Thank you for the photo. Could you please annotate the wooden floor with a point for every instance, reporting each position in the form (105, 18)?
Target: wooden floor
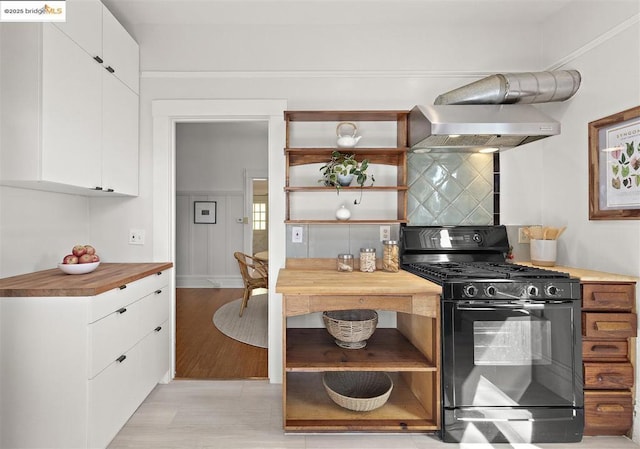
(202, 351)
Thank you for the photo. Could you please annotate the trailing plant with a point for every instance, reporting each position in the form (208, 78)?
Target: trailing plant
(342, 164)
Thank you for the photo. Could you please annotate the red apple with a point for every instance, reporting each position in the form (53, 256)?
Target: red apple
(70, 259)
(85, 258)
(95, 258)
(90, 249)
(79, 250)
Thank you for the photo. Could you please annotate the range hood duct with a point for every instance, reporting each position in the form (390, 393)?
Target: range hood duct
(489, 114)
(509, 88)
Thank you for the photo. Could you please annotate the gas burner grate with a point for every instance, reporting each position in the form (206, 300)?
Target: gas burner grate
(443, 271)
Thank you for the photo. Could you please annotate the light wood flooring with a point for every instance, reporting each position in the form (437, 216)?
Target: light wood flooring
(232, 414)
(202, 351)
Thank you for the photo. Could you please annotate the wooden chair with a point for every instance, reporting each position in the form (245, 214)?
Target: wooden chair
(255, 274)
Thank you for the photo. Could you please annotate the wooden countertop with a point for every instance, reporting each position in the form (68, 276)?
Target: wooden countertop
(56, 283)
(332, 282)
(588, 275)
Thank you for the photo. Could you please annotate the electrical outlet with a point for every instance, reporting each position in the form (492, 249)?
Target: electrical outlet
(296, 234)
(522, 237)
(136, 236)
(385, 232)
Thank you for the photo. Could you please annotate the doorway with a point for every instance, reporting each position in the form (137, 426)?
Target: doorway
(210, 160)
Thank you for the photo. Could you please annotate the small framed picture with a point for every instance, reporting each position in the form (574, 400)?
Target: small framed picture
(204, 212)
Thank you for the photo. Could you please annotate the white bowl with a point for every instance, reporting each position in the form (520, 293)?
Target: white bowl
(78, 268)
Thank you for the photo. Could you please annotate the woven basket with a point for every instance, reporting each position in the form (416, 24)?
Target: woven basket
(351, 328)
(361, 391)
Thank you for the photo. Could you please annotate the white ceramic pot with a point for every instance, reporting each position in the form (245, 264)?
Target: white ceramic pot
(343, 213)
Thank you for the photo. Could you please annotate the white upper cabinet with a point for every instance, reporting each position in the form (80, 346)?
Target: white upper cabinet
(69, 117)
(120, 52)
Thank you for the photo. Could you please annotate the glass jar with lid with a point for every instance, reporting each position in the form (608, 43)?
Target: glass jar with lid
(368, 260)
(390, 256)
(345, 262)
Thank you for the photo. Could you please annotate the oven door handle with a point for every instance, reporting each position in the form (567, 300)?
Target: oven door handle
(510, 306)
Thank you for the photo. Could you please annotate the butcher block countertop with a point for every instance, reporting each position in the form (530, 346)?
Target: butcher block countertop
(56, 283)
(319, 282)
(588, 275)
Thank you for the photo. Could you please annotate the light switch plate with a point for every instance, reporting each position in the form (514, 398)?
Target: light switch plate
(296, 234)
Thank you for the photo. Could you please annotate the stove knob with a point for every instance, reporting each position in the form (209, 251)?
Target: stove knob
(470, 290)
(532, 290)
(491, 290)
(552, 290)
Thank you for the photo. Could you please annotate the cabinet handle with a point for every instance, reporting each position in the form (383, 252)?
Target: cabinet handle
(109, 190)
(97, 188)
(122, 287)
(612, 325)
(159, 273)
(609, 408)
(616, 378)
(157, 292)
(99, 59)
(121, 358)
(121, 311)
(110, 69)
(603, 348)
(158, 329)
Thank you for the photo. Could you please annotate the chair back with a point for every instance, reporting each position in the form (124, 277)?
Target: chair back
(254, 272)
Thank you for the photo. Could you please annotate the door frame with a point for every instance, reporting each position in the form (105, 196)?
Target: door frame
(249, 177)
(166, 114)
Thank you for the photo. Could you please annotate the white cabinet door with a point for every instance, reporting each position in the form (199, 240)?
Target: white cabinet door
(120, 51)
(84, 25)
(119, 137)
(71, 112)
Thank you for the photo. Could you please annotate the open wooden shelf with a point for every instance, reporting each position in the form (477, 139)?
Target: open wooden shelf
(310, 409)
(311, 349)
(391, 156)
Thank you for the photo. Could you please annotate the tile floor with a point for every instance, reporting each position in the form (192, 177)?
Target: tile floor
(246, 414)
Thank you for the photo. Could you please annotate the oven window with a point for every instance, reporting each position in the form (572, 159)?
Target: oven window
(515, 341)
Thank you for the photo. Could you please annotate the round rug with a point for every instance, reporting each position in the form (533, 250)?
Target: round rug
(250, 328)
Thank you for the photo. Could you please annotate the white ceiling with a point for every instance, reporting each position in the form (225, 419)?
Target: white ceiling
(133, 13)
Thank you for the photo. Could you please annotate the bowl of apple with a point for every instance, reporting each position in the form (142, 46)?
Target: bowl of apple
(83, 259)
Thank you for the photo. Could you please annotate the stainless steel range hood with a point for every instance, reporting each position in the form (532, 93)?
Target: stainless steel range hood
(474, 127)
(491, 113)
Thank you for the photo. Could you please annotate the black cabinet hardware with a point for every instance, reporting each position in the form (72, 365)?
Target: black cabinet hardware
(158, 329)
(121, 311)
(121, 358)
(99, 59)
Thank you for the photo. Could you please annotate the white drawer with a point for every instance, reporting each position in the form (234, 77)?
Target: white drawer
(112, 300)
(112, 398)
(118, 332)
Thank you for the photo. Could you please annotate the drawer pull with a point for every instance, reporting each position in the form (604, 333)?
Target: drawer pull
(603, 348)
(615, 378)
(158, 329)
(612, 325)
(609, 408)
(610, 297)
(98, 59)
(159, 273)
(158, 292)
(121, 358)
(121, 311)
(110, 69)
(122, 287)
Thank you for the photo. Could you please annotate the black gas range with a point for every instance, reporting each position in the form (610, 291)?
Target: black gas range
(511, 338)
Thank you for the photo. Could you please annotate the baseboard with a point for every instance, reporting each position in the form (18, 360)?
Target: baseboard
(205, 281)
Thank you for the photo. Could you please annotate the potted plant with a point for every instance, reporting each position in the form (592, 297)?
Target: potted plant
(342, 169)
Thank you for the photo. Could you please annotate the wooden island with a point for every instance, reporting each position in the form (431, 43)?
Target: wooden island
(410, 352)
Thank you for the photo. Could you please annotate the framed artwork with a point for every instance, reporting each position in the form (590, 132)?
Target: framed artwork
(204, 212)
(614, 166)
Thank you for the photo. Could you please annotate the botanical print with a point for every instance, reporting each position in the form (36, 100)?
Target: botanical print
(623, 165)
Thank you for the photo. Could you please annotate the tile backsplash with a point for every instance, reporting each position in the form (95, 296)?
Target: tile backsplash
(451, 189)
